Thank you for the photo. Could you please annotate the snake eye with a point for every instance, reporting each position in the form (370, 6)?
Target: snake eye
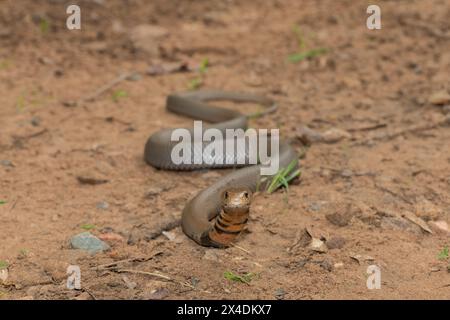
(225, 195)
(246, 194)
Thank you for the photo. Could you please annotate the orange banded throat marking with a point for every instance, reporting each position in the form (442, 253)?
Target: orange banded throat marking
(231, 220)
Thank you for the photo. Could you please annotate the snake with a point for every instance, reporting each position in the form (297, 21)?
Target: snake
(198, 219)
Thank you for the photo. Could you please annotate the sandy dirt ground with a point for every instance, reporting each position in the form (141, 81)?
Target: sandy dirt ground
(369, 110)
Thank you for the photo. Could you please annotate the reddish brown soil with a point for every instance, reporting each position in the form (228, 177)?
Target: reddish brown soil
(370, 83)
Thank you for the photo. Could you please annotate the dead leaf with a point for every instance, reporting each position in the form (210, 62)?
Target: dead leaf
(415, 219)
(361, 258)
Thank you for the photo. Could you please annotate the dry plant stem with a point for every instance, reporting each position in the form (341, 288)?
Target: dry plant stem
(411, 129)
(427, 28)
(33, 135)
(105, 88)
(115, 263)
(240, 248)
(160, 276)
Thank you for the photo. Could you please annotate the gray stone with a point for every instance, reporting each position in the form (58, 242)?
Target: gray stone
(336, 243)
(102, 205)
(88, 242)
(6, 163)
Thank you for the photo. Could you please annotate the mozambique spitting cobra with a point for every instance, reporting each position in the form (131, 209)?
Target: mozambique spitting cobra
(229, 198)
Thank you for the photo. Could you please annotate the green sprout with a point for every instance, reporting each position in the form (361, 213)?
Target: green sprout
(443, 254)
(300, 38)
(88, 226)
(283, 177)
(20, 103)
(197, 82)
(23, 252)
(4, 64)
(245, 278)
(204, 66)
(3, 264)
(44, 25)
(119, 94)
(300, 56)
(303, 52)
(3, 202)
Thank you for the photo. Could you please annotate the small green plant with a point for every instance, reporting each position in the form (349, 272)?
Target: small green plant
(304, 53)
(44, 25)
(197, 82)
(88, 227)
(283, 177)
(204, 66)
(3, 264)
(297, 57)
(2, 202)
(117, 95)
(23, 253)
(245, 278)
(4, 64)
(443, 254)
(20, 103)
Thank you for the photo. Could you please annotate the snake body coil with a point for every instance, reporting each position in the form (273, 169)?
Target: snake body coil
(207, 204)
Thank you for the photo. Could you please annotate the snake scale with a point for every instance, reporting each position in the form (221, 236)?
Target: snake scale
(199, 212)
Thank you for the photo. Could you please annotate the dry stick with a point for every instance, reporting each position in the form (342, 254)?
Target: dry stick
(161, 276)
(33, 135)
(431, 31)
(356, 174)
(240, 248)
(392, 193)
(105, 88)
(368, 128)
(14, 204)
(89, 292)
(115, 263)
(412, 129)
(146, 273)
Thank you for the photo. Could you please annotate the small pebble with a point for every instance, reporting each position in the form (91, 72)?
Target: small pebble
(158, 294)
(6, 163)
(435, 269)
(35, 121)
(88, 242)
(318, 245)
(280, 293)
(103, 205)
(439, 98)
(169, 235)
(334, 135)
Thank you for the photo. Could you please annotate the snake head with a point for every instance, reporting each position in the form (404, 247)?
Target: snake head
(236, 200)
